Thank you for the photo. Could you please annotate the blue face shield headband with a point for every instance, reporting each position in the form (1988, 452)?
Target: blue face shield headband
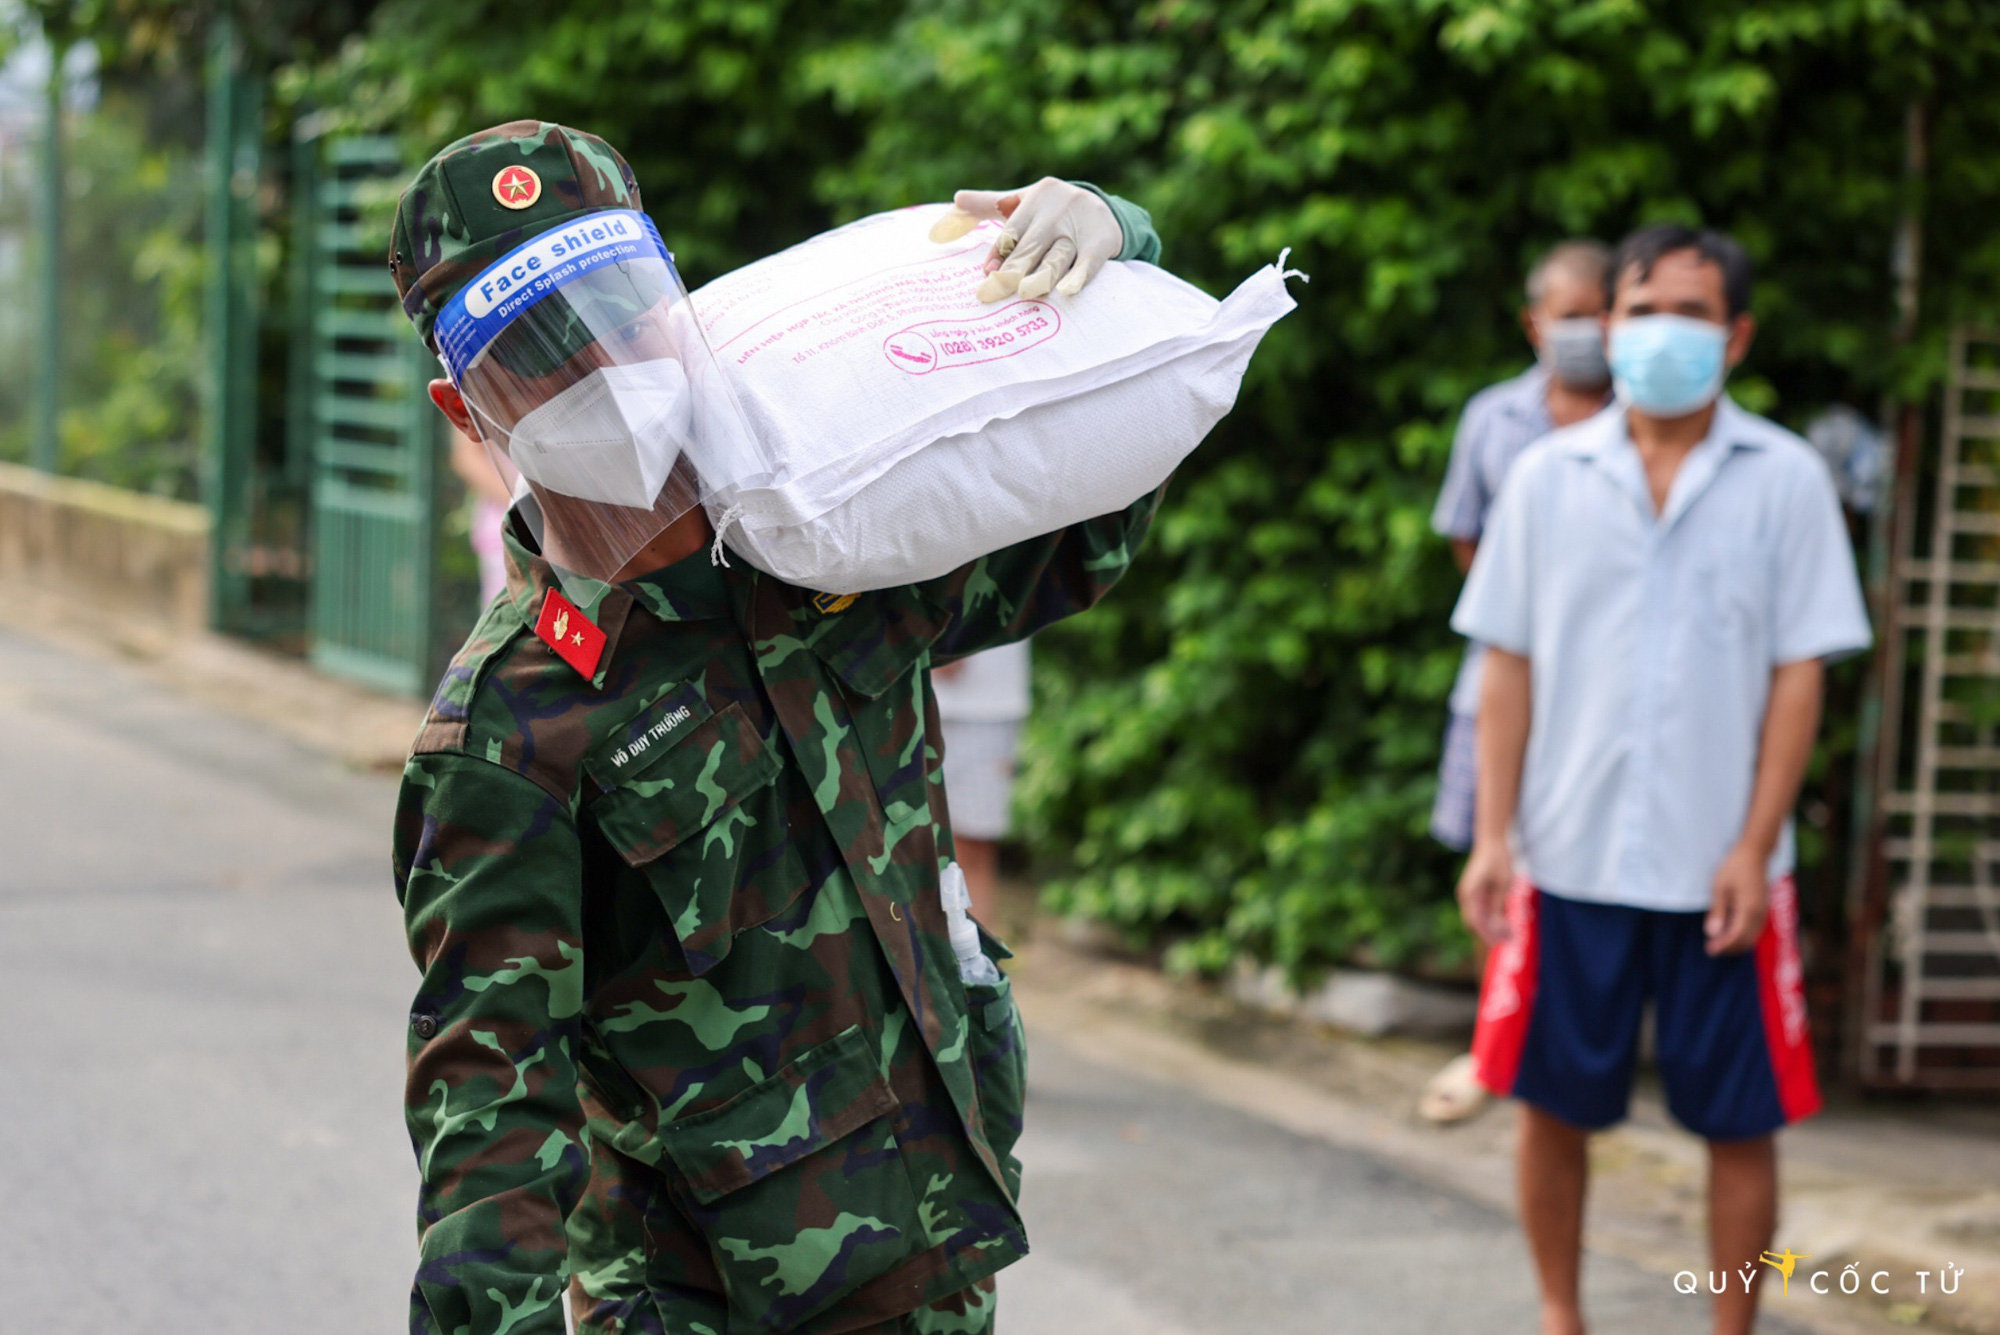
(581, 362)
(605, 270)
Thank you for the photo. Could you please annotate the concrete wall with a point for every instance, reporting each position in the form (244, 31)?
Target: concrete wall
(1360, 1001)
(119, 551)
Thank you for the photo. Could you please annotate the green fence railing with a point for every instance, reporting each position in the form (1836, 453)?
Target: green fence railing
(359, 401)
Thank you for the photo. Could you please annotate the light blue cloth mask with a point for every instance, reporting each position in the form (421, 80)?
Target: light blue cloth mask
(1667, 365)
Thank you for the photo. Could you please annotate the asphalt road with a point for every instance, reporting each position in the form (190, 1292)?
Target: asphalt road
(200, 1081)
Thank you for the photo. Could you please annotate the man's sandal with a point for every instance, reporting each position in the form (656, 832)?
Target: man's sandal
(1453, 1094)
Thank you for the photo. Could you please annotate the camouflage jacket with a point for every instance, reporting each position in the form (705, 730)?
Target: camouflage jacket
(690, 1034)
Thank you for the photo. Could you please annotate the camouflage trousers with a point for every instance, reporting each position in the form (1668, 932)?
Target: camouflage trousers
(641, 1269)
(969, 1312)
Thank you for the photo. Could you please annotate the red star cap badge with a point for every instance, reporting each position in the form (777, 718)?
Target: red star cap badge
(573, 636)
(516, 187)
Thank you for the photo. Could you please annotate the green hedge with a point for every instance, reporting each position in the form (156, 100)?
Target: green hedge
(1236, 753)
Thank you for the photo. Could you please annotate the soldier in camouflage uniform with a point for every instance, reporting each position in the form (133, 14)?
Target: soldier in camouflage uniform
(691, 1039)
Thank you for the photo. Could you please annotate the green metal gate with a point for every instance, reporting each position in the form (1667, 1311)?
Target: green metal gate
(359, 403)
(253, 479)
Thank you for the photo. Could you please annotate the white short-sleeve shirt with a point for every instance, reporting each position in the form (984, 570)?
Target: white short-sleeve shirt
(1498, 423)
(992, 686)
(1651, 641)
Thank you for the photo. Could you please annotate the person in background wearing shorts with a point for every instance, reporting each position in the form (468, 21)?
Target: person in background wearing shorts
(982, 703)
(489, 491)
(1563, 319)
(1658, 588)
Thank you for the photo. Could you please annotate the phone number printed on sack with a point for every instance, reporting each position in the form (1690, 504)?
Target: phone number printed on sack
(943, 344)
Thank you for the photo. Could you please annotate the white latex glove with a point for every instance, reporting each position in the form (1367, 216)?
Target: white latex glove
(1057, 236)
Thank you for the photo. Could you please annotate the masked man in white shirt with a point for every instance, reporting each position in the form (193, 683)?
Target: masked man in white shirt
(1564, 322)
(1658, 588)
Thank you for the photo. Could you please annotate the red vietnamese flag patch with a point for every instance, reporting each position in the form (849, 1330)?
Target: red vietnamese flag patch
(574, 637)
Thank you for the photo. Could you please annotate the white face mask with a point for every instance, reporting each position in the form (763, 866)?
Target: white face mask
(612, 437)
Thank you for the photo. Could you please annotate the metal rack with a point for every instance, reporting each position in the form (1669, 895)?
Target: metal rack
(1930, 947)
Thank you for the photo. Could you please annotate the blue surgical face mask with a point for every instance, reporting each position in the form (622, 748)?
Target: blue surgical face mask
(1668, 365)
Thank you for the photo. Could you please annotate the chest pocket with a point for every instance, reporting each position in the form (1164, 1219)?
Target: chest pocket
(877, 639)
(1731, 583)
(703, 818)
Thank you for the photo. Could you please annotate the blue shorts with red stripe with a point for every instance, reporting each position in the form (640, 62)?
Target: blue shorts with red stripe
(1560, 1009)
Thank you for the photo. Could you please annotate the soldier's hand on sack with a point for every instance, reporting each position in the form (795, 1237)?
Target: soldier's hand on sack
(1056, 236)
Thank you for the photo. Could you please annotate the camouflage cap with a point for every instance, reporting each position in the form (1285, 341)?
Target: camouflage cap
(482, 195)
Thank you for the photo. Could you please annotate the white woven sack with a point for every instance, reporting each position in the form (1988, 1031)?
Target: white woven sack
(911, 429)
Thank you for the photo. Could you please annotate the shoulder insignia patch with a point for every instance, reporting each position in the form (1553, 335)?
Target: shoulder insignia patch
(829, 603)
(574, 637)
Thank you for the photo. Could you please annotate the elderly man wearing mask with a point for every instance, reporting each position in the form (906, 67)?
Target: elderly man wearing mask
(1658, 589)
(1564, 323)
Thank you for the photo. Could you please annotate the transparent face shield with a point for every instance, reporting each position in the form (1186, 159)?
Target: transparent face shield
(582, 364)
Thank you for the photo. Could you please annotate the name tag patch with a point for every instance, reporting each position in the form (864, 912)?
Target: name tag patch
(641, 744)
(635, 744)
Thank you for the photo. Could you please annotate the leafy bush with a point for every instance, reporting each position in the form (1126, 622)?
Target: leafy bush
(133, 303)
(131, 294)
(1237, 752)
(703, 98)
